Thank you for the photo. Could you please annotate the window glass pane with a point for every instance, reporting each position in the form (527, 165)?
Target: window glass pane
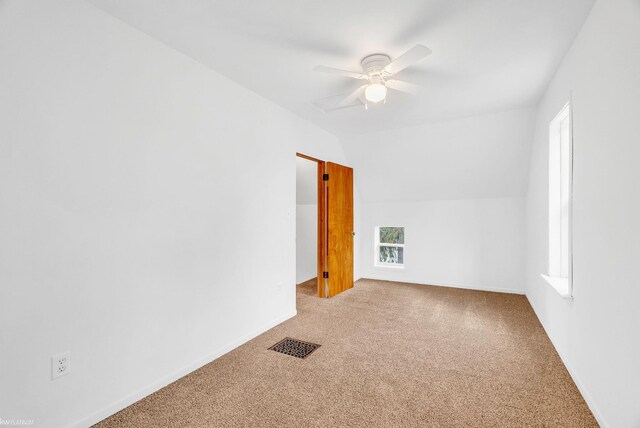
(560, 194)
(391, 255)
(565, 165)
(392, 235)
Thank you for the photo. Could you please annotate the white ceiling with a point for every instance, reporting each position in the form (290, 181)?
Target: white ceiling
(488, 55)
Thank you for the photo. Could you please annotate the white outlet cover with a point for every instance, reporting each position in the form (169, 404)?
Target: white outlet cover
(60, 365)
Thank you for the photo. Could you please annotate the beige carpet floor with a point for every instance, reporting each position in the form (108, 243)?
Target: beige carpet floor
(392, 355)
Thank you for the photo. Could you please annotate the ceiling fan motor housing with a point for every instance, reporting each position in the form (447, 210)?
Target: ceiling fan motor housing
(373, 65)
(376, 71)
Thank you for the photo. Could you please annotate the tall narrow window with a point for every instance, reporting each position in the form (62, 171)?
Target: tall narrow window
(389, 247)
(560, 189)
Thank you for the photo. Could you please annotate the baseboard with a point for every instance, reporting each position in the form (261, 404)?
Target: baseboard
(161, 383)
(439, 284)
(312, 278)
(576, 379)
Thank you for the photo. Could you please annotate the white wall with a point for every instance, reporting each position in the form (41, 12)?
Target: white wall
(598, 333)
(147, 212)
(475, 243)
(460, 184)
(306, 219)
(306, 242)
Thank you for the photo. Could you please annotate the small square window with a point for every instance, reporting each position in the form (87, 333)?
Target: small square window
(389, 246)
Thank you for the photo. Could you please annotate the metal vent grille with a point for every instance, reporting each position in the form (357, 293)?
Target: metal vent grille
(295, 348)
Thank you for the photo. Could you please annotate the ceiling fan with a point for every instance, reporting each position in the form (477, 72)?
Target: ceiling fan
(376, 71)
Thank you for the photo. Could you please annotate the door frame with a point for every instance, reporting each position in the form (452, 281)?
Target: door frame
(322, 223)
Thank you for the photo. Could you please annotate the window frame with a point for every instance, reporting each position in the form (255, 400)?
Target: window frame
(560, 259)
(377, 244)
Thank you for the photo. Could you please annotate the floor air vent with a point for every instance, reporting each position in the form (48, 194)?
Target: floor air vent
(295, 348)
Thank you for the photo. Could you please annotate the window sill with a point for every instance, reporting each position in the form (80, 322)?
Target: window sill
(389, 267)
(561, 285)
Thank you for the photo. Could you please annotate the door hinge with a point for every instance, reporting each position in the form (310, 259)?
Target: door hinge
(325, 177)
(325, 274)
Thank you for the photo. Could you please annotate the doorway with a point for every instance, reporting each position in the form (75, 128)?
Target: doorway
(307, 225)
(324, 227)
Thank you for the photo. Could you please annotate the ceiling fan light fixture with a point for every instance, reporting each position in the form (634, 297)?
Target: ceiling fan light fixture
(375, 92)
(377, 70)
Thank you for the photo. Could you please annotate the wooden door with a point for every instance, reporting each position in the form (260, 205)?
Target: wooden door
(339, 223)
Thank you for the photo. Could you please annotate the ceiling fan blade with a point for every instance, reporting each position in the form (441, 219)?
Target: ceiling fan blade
(401, 86)
(347, 73)
(413, 55)
(334, 108)
(333, 103)
(354, 96)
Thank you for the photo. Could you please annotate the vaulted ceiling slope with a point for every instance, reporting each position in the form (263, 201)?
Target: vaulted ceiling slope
(488, 55)
(483, 156)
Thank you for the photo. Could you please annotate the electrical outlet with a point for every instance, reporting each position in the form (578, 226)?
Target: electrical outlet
(60, 365)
